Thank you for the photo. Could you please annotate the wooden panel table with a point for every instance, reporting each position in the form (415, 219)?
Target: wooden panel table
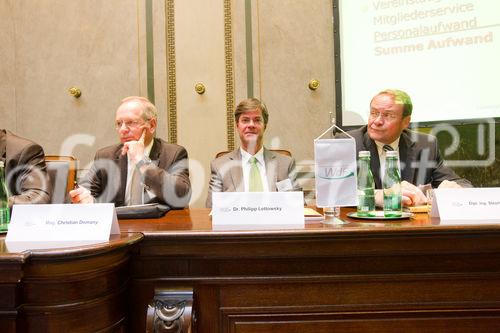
(77, 289)
(414, 275)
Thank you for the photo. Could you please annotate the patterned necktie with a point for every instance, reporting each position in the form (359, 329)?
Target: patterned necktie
(136, 188)
(387, 148)
(255, 183)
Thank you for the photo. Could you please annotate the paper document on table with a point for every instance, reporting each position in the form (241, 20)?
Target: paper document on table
(312, 215)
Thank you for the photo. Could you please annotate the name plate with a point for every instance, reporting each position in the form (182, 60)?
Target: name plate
(257, 210)
(467, 204)
(60, 225)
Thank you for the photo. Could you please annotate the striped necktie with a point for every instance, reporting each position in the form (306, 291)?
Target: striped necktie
(255, 181)
(387, 148)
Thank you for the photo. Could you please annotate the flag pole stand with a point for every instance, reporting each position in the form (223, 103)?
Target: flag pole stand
(332, 214)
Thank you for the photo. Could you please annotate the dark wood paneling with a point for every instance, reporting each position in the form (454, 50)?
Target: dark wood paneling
(457, 322)
(414, 276)
(107, 313)
(83, 278)
(67, 290)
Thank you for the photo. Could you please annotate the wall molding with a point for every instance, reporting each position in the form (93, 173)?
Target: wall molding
(228, 58)
(171, 71)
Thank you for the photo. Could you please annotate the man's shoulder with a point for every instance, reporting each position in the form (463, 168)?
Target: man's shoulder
(356, 133)
(228, 160)
(419, 138)
(283, 158)
(166, 146)
(227, 156)
(18, 141)
(109, 151)
(16, 145)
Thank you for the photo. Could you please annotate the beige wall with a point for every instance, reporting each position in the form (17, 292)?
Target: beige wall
(60, 44)
(100, 47)
(293, 47)
(8, 112)
(199, 27)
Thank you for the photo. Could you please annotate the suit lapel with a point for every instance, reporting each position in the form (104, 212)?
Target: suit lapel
(121, 161)
(154, 154)
(375, 160)
(236, 170)
(406, 152)
(271, 169)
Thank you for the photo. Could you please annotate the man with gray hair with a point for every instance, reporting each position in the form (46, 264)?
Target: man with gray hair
(141, 169)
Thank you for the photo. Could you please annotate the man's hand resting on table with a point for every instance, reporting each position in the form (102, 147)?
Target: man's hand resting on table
(411, 195)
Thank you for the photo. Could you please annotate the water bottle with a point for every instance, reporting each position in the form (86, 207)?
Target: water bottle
(4, 200)
(392, 186)
(366, 185)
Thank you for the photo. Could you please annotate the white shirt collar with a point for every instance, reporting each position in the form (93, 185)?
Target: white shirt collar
(245, 166)
(130, 167)
(245, 156)
(394, 145)
(382, 154)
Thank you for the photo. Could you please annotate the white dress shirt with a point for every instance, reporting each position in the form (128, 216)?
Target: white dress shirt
(382, 154)
(130, 169)
(245, 166)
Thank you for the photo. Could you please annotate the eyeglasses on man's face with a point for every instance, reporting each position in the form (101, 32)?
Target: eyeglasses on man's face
(129, 124)
(386, 116)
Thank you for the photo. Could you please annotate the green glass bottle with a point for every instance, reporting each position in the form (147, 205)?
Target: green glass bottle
(366, 185)
(391, 184)
(4, 200)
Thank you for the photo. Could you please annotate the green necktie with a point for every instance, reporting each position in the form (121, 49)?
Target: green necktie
(255, 183)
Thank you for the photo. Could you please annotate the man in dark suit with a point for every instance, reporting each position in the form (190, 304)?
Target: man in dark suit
(237, 170)
(420, 160)
(25, 170)
(142, 168)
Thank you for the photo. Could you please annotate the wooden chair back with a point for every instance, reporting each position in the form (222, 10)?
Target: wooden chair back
(62, 174)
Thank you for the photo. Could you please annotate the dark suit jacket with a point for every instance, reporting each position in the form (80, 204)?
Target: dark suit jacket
(25, 170)
(167, 177)
(227, 174)
(420, 159)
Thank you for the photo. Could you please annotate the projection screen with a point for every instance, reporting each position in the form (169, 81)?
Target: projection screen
(444, 53)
